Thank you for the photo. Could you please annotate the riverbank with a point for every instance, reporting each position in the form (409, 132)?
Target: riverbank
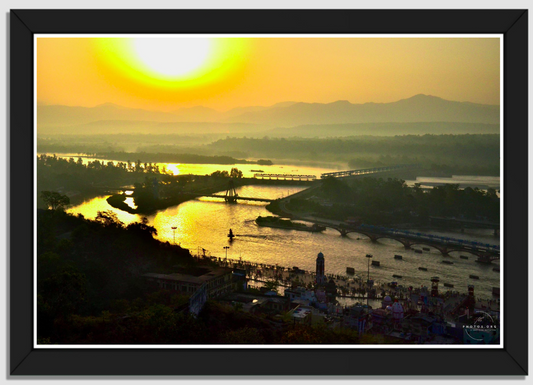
(287, 224)
(118, 201)
(352, 287)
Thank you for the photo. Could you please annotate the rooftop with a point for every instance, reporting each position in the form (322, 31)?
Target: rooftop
(195, 276)
(301, 313)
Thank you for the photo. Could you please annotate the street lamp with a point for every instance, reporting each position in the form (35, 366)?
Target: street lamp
(369, 256)
(174, 233)
(226, 248)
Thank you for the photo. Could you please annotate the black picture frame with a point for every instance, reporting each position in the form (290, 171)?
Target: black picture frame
(512, 359)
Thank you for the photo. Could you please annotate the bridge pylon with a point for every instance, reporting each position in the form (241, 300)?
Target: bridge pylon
(485, 258)
(231, 194)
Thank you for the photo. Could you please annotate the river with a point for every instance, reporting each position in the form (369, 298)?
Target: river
(204, 223)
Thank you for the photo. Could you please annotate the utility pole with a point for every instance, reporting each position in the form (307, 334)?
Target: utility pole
(369, 256)
(226, 248)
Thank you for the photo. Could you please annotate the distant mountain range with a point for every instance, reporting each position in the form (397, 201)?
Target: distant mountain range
(419, 108)
(58, 115)
(285, 118)
(205, 114)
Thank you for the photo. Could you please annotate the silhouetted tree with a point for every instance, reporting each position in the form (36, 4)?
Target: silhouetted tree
(219, 173)
(55, 200)
(142, 228)
(108, 218)
(235, 173)
(63, 292)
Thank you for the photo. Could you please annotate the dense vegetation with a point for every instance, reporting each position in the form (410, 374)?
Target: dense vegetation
(87, 267)
(90, 291)
(380, 202)
(54, 173)
(95, 143)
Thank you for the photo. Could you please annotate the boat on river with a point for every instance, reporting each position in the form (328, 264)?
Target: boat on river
(231, 235)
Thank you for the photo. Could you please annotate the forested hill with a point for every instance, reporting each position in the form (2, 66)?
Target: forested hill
(460, 154)
(383, 129)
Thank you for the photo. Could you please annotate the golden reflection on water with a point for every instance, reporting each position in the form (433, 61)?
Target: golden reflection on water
(173, 168)
(205, 223)
(89, 209)
(130, 202)
(174, 217)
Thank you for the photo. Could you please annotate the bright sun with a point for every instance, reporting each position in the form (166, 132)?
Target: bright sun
(171, 62)
(173, 57)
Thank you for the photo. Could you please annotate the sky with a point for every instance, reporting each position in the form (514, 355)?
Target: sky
(223, 73)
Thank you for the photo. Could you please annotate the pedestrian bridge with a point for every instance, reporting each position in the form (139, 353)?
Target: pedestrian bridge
(285, 177)
(365, 171)
(236, 197)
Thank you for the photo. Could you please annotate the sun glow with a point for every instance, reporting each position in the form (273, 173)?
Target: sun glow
(172, 58)
(173, 69)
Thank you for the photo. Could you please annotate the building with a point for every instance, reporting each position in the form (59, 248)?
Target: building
(240, 281)
(198, 300)
(357, 318)
(260, 304)
(300, 293)
(307, 315)
(218, 281)
(302, 316)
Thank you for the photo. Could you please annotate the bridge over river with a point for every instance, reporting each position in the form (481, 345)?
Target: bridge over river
(486, 253)
(366, 171)
(234, 198)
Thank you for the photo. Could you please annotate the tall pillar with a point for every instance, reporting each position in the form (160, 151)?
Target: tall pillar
(320, 270)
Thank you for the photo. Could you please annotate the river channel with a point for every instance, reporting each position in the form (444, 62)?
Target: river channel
(204, 224)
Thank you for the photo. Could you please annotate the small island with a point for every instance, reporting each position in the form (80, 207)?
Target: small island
(281, 223)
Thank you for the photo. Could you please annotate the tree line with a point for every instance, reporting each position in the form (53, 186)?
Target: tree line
(381, 202)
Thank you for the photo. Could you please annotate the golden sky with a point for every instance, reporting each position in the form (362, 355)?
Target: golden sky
(223, 73)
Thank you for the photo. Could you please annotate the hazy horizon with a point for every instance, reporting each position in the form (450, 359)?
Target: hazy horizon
(174, 109)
